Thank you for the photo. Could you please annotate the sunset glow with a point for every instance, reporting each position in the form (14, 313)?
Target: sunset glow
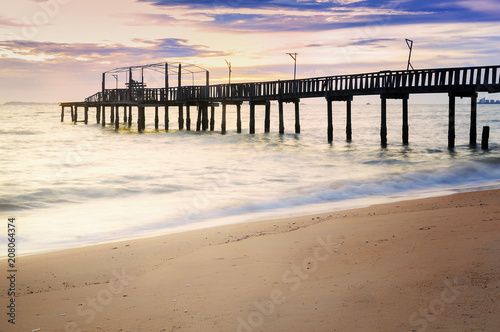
(57, 48)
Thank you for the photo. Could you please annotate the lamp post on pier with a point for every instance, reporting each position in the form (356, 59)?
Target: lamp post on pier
(229, 70)
(410, 46)
(294, 57)
(116, 88)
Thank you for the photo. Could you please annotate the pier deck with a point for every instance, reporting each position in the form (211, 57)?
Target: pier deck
(456, 82)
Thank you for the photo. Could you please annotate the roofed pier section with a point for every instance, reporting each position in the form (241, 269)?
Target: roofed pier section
(137, 93)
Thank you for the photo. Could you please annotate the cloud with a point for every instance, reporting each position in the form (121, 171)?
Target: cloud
(320, 15)
(6, 22)
(275, 16)
(485, 7)
(146, 50)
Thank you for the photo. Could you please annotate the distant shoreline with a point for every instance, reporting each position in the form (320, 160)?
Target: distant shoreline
(27, 103)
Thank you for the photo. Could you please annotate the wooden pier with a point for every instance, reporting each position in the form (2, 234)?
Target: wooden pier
(456, 82)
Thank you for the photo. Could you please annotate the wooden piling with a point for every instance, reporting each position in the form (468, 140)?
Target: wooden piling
(125, 114)
(157, 118)
(86, 119)
(130, 116)
(238, 118)
(348, 127)
(485, 137)
(98, 114)
(223, 125)
(281, 120)
(166, 117)
(383, 121)
(330, 120)
(405, 128)
(252, 118)
(103, 115)
(72, 114)
(473, 121)
(267, 120)
(188, 118)
(198, 120)
(75, 119)
(112, 115)
(62, 113)
(117, 118)
(181, 118)
(205, 121)
(297, 117)
(451, 121)
(212, 118)
(141, 119)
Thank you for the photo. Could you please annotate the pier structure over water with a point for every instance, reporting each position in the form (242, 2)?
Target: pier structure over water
(456, 82)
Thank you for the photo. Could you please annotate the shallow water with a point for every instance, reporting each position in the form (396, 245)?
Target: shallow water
(72, 185)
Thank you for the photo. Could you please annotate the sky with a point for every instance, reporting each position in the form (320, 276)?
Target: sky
(56, 50)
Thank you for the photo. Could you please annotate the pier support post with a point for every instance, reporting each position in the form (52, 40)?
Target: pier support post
(86, 115)
(181, 118)
(98, 114)
(166, 118)
(103, 115)
(485, 137)
(157, 118)
(75, 120)
(198, 120)
(188, 118)
(223, 125)
(112, 115)
(297, 117)
(212, 118)
(383, 121)
(117, 118)
(204, 121)
(130, 116)
(62, 113)
(267, 120)
(72, 114)
(330, 120)
(473, 121)
(125, 114)
(252, 118)
(405, 121)
(141, 119)
(348, 127)
(451, 121)
(281, 120)
(238, 118)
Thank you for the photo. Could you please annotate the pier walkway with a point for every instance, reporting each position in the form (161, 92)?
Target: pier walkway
(456, 82)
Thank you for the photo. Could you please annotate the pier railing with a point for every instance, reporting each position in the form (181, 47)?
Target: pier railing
(473, 79)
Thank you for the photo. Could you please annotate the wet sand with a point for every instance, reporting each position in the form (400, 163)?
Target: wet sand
(423, 265)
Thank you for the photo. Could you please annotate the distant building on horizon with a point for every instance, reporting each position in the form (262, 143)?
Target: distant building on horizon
(486, 101)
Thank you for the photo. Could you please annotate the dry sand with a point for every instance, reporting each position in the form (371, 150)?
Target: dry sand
(429, 264)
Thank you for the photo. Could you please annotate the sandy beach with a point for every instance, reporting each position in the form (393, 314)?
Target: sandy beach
(421, 265)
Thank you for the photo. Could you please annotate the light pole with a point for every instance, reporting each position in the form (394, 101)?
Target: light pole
(116, 78)
(116, 88)
(229, 69)
(410, 46)
(294, 57)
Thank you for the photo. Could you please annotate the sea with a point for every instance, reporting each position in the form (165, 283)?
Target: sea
(71, 185)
